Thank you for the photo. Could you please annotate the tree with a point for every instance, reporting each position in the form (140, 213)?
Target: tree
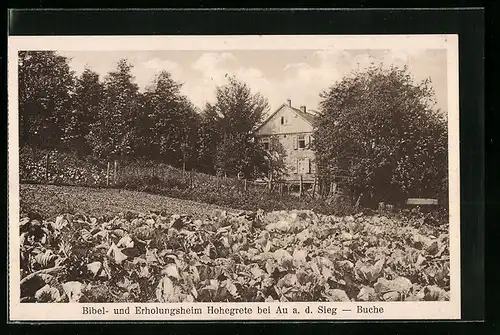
(45, 98)
(380, 128)
(276, 159)
(234, 117)
(169, 122)
(236, 153)
(209, 136)
(115, 131)
(87, 104)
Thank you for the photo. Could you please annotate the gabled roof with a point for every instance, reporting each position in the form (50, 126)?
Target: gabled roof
(309, 118)
(306, 116)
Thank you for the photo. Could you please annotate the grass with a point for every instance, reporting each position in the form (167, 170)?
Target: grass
(50, 201)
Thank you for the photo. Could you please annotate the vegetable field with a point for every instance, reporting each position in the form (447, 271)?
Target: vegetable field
(229, 257)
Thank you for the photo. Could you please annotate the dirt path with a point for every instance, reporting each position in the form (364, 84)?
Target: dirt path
(50, 200)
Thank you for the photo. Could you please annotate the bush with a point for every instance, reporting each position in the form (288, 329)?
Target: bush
(380, 128)
(63, 168)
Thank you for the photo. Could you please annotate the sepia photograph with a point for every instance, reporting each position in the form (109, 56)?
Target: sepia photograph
(164, 178)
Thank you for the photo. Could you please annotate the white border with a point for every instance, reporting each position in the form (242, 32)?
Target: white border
(392, 311)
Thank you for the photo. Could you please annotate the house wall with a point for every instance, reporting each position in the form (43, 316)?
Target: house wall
(293, 123)
(299, 161)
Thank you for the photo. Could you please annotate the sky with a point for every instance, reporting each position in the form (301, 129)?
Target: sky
(299, 75)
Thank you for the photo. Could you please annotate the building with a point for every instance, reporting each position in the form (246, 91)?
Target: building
(292, 127)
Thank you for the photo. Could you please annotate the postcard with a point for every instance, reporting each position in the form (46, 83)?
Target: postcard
(185, 178)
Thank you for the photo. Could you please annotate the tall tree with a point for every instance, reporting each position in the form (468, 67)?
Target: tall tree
(209, 135)
(87, 104)
(381, 128)
(114, 132)
(169, 122)
(45, 88)
(235, 115)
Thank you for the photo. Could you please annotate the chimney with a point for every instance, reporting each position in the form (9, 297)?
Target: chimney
(289, 102)
(303, 109)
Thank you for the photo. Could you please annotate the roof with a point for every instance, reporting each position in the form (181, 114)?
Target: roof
(309, 118)
(306, 116)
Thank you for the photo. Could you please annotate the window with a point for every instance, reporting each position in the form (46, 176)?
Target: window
(282, 120)
(302, 141)
(303, 165)
(266, 143)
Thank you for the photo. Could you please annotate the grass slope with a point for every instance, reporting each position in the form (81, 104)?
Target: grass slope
(51, 200)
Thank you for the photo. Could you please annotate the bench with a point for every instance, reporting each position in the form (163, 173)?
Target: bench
(421, 202)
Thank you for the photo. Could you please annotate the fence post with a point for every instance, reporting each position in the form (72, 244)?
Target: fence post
(314, 187)
(359, 199)
(47, 168)
(107, 174)
(300, 186)
(114, 172)
(245, 185)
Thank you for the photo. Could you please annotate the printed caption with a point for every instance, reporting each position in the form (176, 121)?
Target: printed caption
(232, 311)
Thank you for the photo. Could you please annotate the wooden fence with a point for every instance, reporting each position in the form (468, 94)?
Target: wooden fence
(66, 169)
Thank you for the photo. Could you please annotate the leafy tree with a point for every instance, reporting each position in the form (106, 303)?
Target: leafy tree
(235, 153)
(114, 133)
(276, 159)
(209, 135)
(380, 127)
(87, 104)
(45, 88)
(169, 122)
(234, 118)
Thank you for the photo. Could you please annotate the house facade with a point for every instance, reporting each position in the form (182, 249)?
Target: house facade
(292, 128)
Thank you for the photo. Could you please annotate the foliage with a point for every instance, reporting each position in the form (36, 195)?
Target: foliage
(169, 123)
(158, 178)
(45, 89)
(258, 256)
(379, 126)
(276, 159)
(114, 132)
(63, 168)
(113, 119)
(234, 117)
(87, 104)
